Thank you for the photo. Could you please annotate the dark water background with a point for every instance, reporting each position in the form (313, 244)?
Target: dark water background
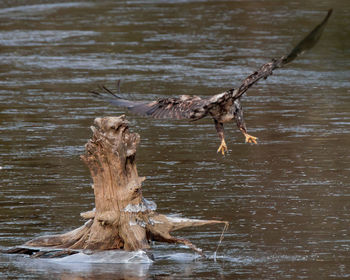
(287, 199)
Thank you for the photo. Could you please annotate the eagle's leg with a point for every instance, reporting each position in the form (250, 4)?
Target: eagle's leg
(238, 113)
(220, 130)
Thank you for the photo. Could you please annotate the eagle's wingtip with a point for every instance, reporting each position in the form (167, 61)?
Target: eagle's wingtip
(330, 11)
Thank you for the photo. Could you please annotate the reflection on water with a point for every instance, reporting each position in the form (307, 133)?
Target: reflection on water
(287, 198)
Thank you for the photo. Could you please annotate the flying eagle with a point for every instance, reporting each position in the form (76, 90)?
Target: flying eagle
(223, 107)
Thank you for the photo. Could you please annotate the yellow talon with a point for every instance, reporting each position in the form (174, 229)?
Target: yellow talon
(223, 147)
(250, 138)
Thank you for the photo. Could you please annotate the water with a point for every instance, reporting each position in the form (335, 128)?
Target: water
(287, 198)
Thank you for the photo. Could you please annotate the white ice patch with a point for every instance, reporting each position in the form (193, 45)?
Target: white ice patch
(152, 221)
(110, 256)
(145, 205)
(135, 208)
(180, 257)
(137, 223)
(151, 205)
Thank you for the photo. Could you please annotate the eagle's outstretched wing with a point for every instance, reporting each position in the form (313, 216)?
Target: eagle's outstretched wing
(266, 70)
(183, 107)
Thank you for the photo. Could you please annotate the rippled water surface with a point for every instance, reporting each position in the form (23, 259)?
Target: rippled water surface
(287, 199)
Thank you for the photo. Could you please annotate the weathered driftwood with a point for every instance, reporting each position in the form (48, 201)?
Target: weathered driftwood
(122, 218)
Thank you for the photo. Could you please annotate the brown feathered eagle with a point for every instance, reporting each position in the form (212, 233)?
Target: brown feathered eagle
(223, 107)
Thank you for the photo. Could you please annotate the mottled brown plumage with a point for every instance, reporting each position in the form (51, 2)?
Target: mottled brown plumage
(223, 107)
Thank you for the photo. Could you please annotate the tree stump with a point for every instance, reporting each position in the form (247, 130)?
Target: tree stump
(122, 219)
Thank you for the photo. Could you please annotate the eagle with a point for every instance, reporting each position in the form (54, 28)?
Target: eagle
(223, 107)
